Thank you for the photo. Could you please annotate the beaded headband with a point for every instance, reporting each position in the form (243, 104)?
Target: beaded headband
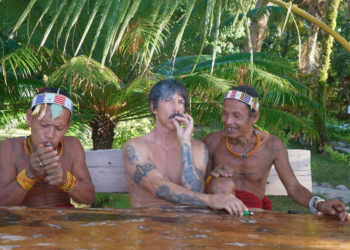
(53, 98)
(243, 97)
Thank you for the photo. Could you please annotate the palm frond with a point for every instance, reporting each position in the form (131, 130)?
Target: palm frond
(22, 62)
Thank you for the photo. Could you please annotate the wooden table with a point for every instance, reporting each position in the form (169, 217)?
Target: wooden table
(166, 228)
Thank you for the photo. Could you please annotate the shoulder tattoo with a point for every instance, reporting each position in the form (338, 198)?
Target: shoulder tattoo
(141, 171)
(131, 153)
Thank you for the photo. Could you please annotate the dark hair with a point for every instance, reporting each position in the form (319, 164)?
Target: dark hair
(250, 91)
(53, 90)
(167, 88)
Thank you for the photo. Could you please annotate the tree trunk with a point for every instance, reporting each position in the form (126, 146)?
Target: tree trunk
(309, 63)
(102, 133)
(257, 30)
(326, 50)
(323, 26)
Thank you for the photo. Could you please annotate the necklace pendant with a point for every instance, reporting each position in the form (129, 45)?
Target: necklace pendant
(243, 156)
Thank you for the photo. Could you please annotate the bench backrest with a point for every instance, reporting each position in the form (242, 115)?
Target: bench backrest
(108, 174)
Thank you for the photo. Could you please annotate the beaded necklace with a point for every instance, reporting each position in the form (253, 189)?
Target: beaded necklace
(253, 151)
(28, 146)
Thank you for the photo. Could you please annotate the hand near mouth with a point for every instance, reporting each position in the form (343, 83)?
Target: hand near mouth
(184, 133)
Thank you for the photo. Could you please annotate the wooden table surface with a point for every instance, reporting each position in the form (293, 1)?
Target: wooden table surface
(177, 227)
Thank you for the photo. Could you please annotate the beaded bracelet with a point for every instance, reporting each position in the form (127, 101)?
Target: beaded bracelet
(24, 181)
(69, 184)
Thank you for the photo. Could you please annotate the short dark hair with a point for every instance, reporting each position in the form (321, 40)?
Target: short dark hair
(250, 91)
(167, 88)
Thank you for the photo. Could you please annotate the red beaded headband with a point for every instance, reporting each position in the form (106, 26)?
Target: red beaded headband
(243, 97)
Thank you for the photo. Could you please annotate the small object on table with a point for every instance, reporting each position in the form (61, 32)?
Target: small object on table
(247, 213)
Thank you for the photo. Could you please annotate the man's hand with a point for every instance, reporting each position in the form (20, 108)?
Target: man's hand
(42, 157)
(229, 202)
(45, 162)
(221, 171)
(335, 208)
(183, 133)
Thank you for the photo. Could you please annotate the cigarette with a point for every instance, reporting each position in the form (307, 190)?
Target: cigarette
(247, 213)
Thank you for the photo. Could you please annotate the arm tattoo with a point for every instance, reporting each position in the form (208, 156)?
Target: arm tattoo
(141, 171)
(200, 172)
(130, 153)
(164, 192)
(188, 175)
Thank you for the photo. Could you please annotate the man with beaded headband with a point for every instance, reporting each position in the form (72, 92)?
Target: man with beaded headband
(47, 168)
(240, 159)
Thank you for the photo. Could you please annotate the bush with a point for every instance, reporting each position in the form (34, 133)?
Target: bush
(129, 129)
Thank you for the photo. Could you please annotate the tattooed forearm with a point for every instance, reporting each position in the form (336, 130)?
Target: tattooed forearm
(164, 193)
(130, 153)
(188, 175)
(141, 171)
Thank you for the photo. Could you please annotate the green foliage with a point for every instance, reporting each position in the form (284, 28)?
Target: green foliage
(127, 130)
(338, 131)
(343, 159)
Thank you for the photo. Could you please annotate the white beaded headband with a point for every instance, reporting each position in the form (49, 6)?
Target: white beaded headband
(243, 97)
(52, 98)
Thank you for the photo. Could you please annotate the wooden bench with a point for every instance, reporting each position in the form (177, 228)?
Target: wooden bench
(108, 174)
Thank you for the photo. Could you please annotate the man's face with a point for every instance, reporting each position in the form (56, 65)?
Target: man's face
(47, 130)
(167, 108)
(235, 118)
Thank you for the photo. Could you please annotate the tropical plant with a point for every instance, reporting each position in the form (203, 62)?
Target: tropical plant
(111, 50)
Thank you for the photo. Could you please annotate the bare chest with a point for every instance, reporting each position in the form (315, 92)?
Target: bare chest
(168, 162)
(254, 167)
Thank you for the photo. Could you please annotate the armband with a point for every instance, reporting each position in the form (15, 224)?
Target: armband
(24, 181)
(69, 184)
(314, 202)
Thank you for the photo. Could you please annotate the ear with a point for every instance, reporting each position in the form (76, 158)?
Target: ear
(255, 116)
(29, 117)
(153, 110)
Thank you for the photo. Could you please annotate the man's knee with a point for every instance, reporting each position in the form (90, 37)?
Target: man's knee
(221, 185)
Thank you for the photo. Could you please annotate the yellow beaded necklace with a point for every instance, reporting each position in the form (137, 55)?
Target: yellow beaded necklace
(28, 146)
(253, 151)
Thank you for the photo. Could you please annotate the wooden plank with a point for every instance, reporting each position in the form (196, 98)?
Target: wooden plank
(300, 162)
(107, 170)
(108, 174)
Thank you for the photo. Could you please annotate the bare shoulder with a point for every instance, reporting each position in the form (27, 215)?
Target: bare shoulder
(273, 143)
(12, 144)
(139, 143)
(213, 139)
(136, 149)
(73, 141)
(10, 149)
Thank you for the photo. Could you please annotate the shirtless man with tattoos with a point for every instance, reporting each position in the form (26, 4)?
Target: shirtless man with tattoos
(45, 169)
(167, 166)
(240, 159)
